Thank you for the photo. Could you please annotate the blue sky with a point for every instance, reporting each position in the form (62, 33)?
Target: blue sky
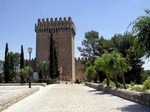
(18, 17)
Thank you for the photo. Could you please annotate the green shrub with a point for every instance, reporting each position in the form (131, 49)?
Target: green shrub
(50, 81)
(111, 83)
(132, 83)
(138, 89)
(145, 75)
(120, 85)
(47, 81)
(40, 81)
(146, 84)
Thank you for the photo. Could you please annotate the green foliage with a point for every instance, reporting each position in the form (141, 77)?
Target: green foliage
(137, 88)
(141, 28)
(113, 64)
(11, 68)
(127, 45)
(111, 83)
(22, 58)
(24, 73)
(14, 62)
(53, 65)
(121, 86)
(103, 63)
(49, 81)
(123, 42)
(132, 83)
(89, 44)
(6, 65)
(145, 75)
(146, 84)
(91, 73)
(126, 64)
(43, 67)
(56, 63)
(90, 70)
(103, 46)
(122, 66)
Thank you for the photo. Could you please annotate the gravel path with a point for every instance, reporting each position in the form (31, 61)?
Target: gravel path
(74, 98)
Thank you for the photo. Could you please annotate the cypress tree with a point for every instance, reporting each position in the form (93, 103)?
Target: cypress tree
(53, 59)
(6, 65)
(51, 63)
(22, 62)
(40, 75)
(56, 61)
(11, 67)
(22, 58)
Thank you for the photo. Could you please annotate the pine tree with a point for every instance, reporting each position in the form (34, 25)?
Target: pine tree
(22, 58)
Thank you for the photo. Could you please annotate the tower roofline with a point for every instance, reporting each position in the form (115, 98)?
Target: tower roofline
(55, 24)
(60, 19)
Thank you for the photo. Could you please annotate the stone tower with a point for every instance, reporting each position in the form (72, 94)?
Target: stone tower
(63, 31)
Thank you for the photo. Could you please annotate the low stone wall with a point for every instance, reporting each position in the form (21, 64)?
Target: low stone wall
(11, 98)
(138, 97)
(23, 84)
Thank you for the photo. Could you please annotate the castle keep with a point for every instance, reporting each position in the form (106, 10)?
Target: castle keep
(63, 31)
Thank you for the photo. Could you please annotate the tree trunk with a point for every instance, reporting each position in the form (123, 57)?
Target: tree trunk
(108, 80)
(123, 79)
(116, 81)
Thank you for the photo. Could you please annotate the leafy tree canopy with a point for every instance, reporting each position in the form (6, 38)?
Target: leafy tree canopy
(141, 28)
(89, 44)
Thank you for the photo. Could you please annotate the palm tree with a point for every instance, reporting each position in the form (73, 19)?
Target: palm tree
(123, 66)
(103, 63)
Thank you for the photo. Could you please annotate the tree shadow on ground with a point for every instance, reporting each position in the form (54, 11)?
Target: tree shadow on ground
(127, 108)
(134, 108)
(99, 92)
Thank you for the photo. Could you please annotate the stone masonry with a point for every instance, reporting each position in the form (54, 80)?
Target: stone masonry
(63, 31)
(80, 75)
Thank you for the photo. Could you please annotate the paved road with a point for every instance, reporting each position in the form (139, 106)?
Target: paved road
(74, 98)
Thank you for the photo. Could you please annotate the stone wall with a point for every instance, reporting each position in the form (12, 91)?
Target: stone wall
(9, 99)
(138, 97)
(63, 31)
(79, 74)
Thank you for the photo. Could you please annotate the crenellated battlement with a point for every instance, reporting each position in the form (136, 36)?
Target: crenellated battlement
(80, 59)
(55, 25)
(55, 19)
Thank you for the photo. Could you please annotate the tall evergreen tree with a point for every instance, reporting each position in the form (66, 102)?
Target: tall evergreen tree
(126, 44)
(53, 64)
(22, 63)
(56, 61)
(11, 67)
(6, 65)
(89, 45)
(22, 58)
